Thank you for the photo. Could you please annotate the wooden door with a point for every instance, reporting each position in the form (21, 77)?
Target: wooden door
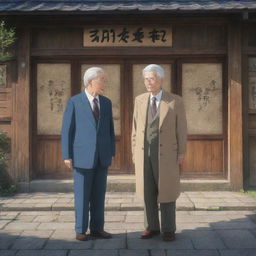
(201, 83)
(54, 81)
(52, 86)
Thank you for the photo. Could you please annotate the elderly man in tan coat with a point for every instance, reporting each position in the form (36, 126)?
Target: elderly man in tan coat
(159, 135)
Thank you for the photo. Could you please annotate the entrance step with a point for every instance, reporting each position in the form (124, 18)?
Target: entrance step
(121, 183)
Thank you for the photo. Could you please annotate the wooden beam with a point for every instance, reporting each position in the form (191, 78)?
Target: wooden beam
(235, 145)
(21, 111)
(124, 51)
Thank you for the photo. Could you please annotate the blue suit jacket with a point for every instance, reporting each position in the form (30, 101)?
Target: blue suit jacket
(82, 140)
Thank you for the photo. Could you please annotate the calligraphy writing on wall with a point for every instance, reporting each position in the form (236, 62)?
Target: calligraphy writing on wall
(203, 97)
(204, 94)
(128, 36)
(53, 91)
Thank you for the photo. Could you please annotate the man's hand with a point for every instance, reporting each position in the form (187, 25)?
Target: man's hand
(68, 163)
(180, 158)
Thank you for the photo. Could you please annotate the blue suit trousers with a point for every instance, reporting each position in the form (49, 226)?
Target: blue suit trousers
(90, 189)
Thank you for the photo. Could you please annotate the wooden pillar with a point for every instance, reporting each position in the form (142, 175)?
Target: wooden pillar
(21, 111)
(235, 145)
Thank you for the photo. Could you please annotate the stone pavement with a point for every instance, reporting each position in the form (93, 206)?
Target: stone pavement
(217, 224)
(127, 201)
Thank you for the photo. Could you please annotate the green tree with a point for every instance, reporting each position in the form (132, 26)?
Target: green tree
(7, 186)
(7, 38)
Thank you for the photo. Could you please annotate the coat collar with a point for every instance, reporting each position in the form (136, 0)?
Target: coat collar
(165, 102)
(143, 106)
(166, 99)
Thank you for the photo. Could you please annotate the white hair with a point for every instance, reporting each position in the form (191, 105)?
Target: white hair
(90, 74)
(154, 68)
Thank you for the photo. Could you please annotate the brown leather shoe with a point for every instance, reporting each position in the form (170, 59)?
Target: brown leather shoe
(168, 236)
(103, 234)
(81, 237)
(146, 234)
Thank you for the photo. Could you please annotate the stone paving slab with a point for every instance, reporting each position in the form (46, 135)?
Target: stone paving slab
(192, 253)
(94, 253)
(7, 238)
(242, 252)
(55, 226)
(117, 242)
(19, 225)
(237, 239)
(205, 240)
(8, 252)
(156, 252)
(181, 242)
(31, 240)
(45, 218)
(41, 253)
(125, 252)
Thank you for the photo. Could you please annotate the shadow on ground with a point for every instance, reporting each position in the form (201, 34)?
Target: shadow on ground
(198, 234)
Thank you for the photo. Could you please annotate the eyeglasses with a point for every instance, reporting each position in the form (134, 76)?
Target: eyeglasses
(151, 79)
(101, 80)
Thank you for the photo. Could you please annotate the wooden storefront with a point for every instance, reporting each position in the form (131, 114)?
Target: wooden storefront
(211, 62)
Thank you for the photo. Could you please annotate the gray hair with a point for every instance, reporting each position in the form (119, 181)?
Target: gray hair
(154, 68)
(90, 74)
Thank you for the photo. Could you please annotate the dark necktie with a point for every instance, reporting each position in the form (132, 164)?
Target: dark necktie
(95, 110)
(153, 107)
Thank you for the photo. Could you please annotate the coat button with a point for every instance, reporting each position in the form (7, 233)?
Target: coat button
(161, 145)
(160, 131)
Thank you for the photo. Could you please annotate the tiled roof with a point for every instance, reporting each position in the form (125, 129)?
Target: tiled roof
(127, 5)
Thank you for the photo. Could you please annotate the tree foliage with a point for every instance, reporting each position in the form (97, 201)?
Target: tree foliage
(7, 187)
(7, 38)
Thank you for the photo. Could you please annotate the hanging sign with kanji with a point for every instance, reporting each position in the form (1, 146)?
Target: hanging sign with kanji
(160, 36)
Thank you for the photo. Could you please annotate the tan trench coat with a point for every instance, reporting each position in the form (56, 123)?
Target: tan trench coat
(172, 141)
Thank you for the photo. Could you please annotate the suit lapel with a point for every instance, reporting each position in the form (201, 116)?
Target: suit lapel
(102, 111)
(144, 108)
(164, 106)
(87, 108)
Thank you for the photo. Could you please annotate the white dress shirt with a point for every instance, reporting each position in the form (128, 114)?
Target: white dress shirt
(91, 98)
(158, 98)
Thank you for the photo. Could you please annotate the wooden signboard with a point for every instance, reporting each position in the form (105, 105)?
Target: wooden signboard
(125, 36)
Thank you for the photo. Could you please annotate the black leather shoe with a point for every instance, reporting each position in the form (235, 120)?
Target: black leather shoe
(103, 234)
(146, 234)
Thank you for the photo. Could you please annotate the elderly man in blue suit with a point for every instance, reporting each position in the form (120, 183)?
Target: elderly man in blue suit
(88, 145)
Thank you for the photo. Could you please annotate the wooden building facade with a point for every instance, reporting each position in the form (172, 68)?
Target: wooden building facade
(209, 57)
